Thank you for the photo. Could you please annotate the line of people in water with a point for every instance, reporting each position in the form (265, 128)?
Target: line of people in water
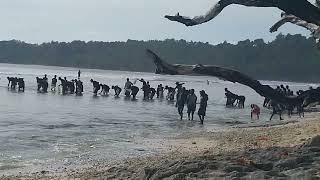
(179, 93)
(13, 82)
(278, 108)
(183, 97)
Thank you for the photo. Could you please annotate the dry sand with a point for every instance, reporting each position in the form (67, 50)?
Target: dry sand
(290, 150)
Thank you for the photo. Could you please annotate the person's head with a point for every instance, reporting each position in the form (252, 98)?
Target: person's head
(287, 86)
(252, 106)
(278, 87)
(192, 91)
(148, 82)
(45, 75)
(112, 87)
(127, 79)
(166, 87)
(141, 79)
(91, 80)
(160, 85)
(55, 76)
(310, 87)
(226, 89)
(65, 78)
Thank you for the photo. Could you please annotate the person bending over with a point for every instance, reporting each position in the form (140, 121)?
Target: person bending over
(134, 91)
(96, 86)
(117, 90)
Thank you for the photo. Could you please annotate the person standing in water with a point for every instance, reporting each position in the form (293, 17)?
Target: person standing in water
(127, 87)
(255, 110)
(182, 101)
(160, 91)
(191, 104)
(203, 106)
(276, 109)
(54, 83)
(79, 73)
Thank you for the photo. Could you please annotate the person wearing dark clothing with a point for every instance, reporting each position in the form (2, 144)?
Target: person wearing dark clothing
(171, 93)
(64, 85)
(54, 83)
(276, 109)
(179, 91)
(14, 83)
(231, 98)
(160, 91)
(134, 91)
(191, 104)
(21, 84)
(203, 105)
(79, 73)
(182, 101)
(104, 89)
(96, 86)
(144, 88)
(152, 93)
(117, 90)
(79, 87)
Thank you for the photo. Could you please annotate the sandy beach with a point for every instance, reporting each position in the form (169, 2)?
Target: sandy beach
(285, 150)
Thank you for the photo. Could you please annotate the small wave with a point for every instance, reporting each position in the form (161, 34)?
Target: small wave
(62, 126)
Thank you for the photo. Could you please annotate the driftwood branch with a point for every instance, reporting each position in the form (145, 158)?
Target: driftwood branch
(234, 76)
(289, 18)
(299, 8)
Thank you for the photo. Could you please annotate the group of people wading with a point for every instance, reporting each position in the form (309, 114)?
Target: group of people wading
(234, 100)
(179, 93)
(13, 82)
(280, 108)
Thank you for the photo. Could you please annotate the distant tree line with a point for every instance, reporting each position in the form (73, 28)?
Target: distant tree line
(288, 57)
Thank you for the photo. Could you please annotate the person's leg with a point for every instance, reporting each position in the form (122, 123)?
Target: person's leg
(192, 113)
(272, 115)
(189, 114)
(201, 119)
(280, 114)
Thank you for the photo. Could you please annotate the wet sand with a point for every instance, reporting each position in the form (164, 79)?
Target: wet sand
(289, 149)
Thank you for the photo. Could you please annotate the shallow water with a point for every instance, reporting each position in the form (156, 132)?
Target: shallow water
(51, 130)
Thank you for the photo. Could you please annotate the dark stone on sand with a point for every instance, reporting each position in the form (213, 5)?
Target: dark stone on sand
(179, 176)
(264, 166)
(287, 164)
(314, 149)
(315, 141)
(236, 168)
(149, 172)
(275, 174)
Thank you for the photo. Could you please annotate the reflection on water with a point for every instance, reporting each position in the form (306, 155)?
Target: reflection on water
(42, 129)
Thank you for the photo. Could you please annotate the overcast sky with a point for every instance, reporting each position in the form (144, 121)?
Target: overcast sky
(39, 21)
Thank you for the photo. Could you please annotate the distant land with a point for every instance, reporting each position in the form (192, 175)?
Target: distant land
(288, 57)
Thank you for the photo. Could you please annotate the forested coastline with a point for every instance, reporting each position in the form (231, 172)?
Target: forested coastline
(288, 57)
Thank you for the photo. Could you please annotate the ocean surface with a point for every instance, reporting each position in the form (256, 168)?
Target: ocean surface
(53, 131)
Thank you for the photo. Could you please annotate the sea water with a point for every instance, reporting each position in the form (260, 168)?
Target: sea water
(52, 130)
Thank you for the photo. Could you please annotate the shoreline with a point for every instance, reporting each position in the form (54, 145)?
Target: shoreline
(231, 153)
(288, 80)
